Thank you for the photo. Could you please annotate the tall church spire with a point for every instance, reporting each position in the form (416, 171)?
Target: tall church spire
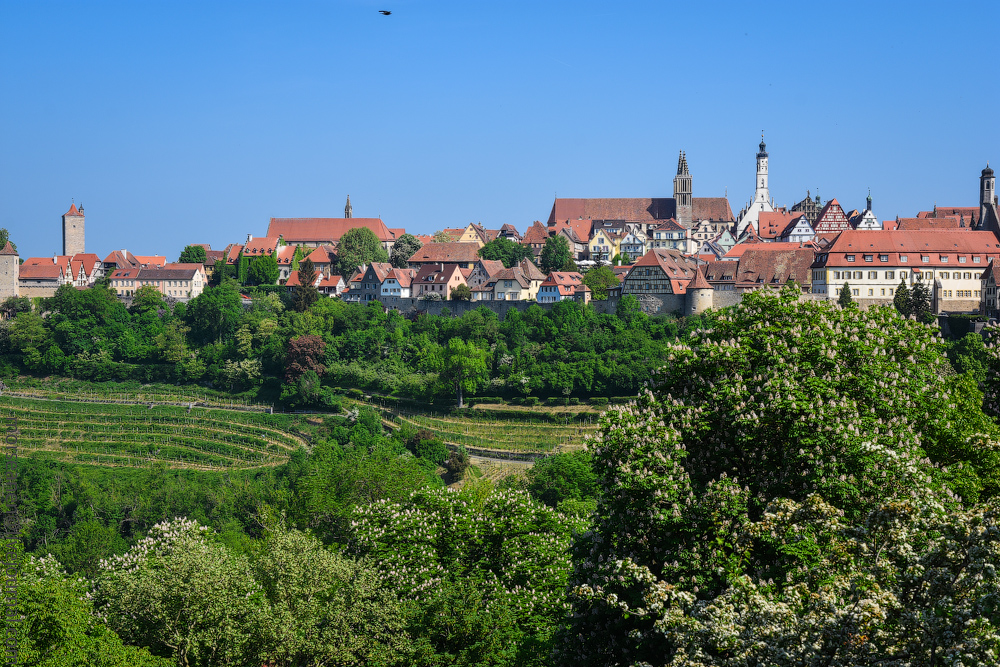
(347, 209)
(682, 192)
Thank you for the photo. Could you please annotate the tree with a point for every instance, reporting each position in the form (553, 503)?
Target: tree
(242, 268)
(193, 254)
(461, 292)
(555, 254)
(561, 477)
(901, 299)
(599, 279)
(297, 257)
(507, 251)
(306, 293)
(264, 271)
(920, 302)
(216, 312)
(305, 353)
(179, 593)
(403, 249)
(729, 534)
(441, 237)
(463, 367)
(146, 299)
(845, 300)
(5, 238)
(359, 246)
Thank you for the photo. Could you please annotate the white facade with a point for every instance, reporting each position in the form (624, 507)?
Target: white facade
(800, 232)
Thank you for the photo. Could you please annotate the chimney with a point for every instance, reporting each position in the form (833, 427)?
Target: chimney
(249, 236)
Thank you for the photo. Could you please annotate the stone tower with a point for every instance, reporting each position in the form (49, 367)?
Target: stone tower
(72, 228)
(699, 294)
(10, 268)
(347, 209)
(682, 192)
(987, 190)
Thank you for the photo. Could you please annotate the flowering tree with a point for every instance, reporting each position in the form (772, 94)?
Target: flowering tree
(771, 501)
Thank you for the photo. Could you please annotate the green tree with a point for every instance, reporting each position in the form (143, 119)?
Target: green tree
(555, 254)
(845, 300)
(600, 279)
(507, 251)
(327, 609)
(901, 300)
(264, 271)
(242, 268)
(920, 302)
(216, 312)
(441, 237)
(461, 293)
(181, 594)
(403, 249)
(564, 476)
(306, 293)
(5, 238)
(147, 299)
(463, 367)
(359, 246)
(297, 257)
(193, 254)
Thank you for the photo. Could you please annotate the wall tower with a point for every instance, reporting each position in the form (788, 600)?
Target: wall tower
(72, 229)
(10, 269)
(682, 192)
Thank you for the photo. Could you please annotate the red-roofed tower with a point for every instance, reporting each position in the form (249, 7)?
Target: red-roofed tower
(10, 267)
(72, 228)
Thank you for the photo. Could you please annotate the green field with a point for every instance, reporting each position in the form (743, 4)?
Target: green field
(512, 435)
(139, 436)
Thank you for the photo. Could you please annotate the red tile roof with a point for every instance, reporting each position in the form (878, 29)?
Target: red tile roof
(537, 234)
(8, 250)
(739, 249)
(531, 271)
(699, 281)
(760, 267)
(711, 208)
(967, 212)
(259, 246)
(40, 271)
(773, 225)
(915, 224)
(402, 276)
(324, 230)
(286, 254)
(637, 209)
(72, 210)
(324, 254)
(831, 219)
(451, 252)
(152, 260)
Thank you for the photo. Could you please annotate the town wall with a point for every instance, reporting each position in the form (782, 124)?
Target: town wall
(37, 290)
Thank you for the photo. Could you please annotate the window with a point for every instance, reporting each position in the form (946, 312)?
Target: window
(857, 275)
(871, 292)
(890, 275)
(967, 275)
(976, 260)
(873, 275)
(890, 291)
(854, 292)
(868, 258)
(943, 258)
(961, 260)
(944, 275)
(883, 258)
(883, 292)
(977, 294)
(902, 275)
(925, 258)
(850, 258)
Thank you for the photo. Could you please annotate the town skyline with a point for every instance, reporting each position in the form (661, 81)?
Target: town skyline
(188, 123)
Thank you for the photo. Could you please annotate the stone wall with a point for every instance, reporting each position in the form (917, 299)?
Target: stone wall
(37, 290)
(9, 271)
(73, 234)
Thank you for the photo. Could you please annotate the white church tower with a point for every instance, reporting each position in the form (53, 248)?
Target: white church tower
(761, 197)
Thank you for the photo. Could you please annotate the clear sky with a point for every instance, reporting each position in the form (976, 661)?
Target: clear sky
(184, 122)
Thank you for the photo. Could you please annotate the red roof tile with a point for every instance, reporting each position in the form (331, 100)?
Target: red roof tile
(324, 230)
(915, 224)
(451, 252)
(40, 271)
(8, 250)
(739, 249)
(537, 234)
(72, 210)
(699, 281)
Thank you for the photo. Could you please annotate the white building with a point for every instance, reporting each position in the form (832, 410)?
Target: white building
(762, 195)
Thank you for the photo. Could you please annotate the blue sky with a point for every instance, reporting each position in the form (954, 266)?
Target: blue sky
(178, 122)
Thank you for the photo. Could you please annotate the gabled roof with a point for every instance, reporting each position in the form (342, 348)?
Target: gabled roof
(711, 208)
(233, 254)
(122, 258)
(157, 273)
(324, 254)
(435, 273)
(514, 273)
(670, 226)
(582, 229)
(151, 260)
(324, 230)
(531, 271)
(951, 211)
(9, 250)
(536, 234)
(721, 270)
(772, 225)
(831, 219)
(491, 266)
(286, 254)
(992, 269)
(451, 252)
(925, 241)
(293, 279)
(762, 267)
(566, 282)
(380, 270)
(673, 263)
(402, 276)
(627, 209)
(739, 249)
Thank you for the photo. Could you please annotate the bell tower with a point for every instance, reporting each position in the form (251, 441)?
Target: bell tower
(762, 193)
(987, 190)
(682, 192)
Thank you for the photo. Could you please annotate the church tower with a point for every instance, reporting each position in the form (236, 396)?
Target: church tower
(682, 192)
(761, 197)
(72, 229)
(987, 190)
(347, 209)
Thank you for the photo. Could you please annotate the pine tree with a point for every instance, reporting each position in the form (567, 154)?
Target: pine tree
(901, 300)
(920, 301)
(845, 300)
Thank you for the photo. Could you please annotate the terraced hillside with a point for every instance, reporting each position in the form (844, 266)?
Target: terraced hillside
(137, 436)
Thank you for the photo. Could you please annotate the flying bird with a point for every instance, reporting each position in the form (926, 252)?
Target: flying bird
(384, 12)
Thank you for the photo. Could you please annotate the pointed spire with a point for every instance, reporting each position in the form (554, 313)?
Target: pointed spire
(347, 209)
(682, 165)
(8, 250)
(869, 200)
(699, 281)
